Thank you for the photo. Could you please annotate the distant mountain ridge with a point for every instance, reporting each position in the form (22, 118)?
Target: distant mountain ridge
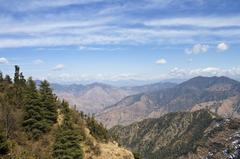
(219, 94)
(151, 87)
(94, 97)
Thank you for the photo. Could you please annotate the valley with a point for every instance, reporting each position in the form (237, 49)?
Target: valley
(93, 98)
(119, 79)
(221, 95)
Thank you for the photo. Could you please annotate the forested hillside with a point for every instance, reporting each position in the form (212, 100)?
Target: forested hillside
(183, 135)
(35, 124)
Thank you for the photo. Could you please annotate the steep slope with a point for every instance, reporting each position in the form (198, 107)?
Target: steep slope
(34, 124)
(95, 97)
(183, 135)
(220, 94)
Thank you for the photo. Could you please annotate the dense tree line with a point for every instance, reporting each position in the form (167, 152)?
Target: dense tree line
(32, 113)
(40, 108)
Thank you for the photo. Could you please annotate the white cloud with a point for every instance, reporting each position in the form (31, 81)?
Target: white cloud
(197, 49)
(58, 67)
(93, 48)
(211, 22)
(177, 72)
(3, 60)
(208, 71)
(181, 73)
(222, 47)
(38, 62)
(28, 5)
(161, 61)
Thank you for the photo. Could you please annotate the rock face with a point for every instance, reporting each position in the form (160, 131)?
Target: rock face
(184, 135)
(219, 94)
(95, 97)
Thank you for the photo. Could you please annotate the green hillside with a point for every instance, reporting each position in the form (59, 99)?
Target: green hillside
(35, 124)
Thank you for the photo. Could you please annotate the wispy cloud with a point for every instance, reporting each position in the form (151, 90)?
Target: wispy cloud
(117, 36)
(58, 67)
(46, 24)
(28, 5)
(208, 22)
(38, 62)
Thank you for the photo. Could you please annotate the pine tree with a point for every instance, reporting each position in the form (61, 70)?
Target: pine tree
(67, 142)
(19, 85)
(1, 82)
(48, 102)
(16, 74)
(22, 80)
(67, 145)
(34, 123)
(67, 123)
(97, 129)
(1, 77)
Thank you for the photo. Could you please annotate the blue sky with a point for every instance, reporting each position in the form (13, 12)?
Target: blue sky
(99, 40)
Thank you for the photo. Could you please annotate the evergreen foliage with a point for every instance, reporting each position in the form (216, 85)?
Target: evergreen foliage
(34, 123)
(40, 109)
(48, 102)
(97, 129)
(67, 143)
(24, 106)
(19, 85)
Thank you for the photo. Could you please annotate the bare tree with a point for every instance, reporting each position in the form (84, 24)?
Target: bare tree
(7, 110)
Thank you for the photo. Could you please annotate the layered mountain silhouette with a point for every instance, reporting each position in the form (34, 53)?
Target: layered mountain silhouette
(93, 98)
(218, 94)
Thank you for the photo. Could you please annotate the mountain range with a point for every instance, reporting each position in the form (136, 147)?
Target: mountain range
(93, 98)
(218, 94)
